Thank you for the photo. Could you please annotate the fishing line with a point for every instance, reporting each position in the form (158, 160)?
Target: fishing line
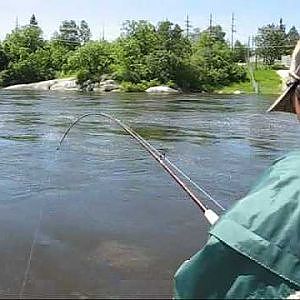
(211, 216)
(28, 266)
(33, 245)
(181, 172)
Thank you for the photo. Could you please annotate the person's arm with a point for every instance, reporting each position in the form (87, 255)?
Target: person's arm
(297, 101)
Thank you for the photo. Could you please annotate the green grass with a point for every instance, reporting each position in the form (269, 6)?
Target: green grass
(269, 83)
(244, 87)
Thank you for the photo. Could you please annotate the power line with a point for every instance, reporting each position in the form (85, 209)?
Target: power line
(17, 22)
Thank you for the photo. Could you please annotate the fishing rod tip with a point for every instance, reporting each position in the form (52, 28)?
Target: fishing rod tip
(211, 216)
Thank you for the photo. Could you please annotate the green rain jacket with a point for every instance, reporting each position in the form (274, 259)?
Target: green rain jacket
(254, 249)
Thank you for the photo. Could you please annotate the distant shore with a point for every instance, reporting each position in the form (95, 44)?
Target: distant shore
(70, 84)
(270, 81)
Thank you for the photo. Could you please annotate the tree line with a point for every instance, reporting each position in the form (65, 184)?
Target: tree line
(144, 55)
(273, 41)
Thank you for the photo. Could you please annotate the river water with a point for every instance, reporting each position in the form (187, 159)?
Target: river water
(100, 218)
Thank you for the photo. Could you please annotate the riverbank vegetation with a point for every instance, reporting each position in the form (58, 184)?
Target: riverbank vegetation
(144, 55)
(269, 82)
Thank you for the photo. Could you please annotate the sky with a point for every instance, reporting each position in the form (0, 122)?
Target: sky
(110, 14)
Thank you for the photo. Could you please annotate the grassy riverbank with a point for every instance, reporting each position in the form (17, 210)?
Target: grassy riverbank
(269, 83)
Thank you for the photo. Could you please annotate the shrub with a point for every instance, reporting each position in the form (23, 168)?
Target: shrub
(138, 87)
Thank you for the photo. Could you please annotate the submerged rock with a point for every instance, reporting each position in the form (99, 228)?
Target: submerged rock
(162, 89)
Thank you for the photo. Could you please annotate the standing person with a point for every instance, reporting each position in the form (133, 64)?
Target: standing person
(254, 249)
(289, 100)
(295, 74)
(297, 101)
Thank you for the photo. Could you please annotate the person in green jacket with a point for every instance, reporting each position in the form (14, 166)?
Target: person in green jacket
(254, 248)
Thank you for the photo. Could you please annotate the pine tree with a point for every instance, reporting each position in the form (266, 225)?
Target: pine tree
(271, 42)
(84, 32)
(33, 21)
(239, 52)
(68, 34)
(292, 38)
(281, 25)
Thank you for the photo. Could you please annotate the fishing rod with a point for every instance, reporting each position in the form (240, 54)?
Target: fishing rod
(209, 214)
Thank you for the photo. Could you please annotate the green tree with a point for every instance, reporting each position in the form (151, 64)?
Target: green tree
(292, 38)
(143, 32)
(22, 42)
(195, 35)
(33, 21)
(138, 40)
(271, 42)
(3, 58)
(239, 52)
(59, 54)
(172, 50)
(216, 33)
(94, 58)
(213, 63)
(35, 67)
(28, 56)
(68, 35)
(84, 32)
(171, 38)
(150, 53)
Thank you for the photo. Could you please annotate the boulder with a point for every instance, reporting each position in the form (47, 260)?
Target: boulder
(106, 86)
(65, 85)
(38, 86)
(237, 92)
(162, 89)
(104, 77)
(97, 90)
(105, 82)
(68, 84)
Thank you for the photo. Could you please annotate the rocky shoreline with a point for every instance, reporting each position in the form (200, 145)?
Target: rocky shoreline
(70, 84)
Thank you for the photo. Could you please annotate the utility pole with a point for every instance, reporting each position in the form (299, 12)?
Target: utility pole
(252, 42)
(103, 33)
(210, 41)
(210, 24)
(188, 26)
(254, 49)
(249, 50)
(233, 30)
(17, 23)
